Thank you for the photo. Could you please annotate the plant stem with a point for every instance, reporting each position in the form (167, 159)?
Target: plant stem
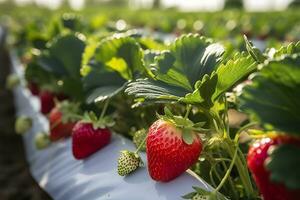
(241, 166)
(247, 126)
(188, 110)
(233, 189)
(141, 145)
(192, 173)
(227, 174)
(104, 109)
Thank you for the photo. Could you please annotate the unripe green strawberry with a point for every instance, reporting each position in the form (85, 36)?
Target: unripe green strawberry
(23, 124)
(139, 137)
(200, 197)
(42, 140)
(128, 162)
(12, 81)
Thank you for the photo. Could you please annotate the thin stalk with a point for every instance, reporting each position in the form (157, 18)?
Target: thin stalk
(192, 173)
(104, 109)
(141, 145)
(247, 126)
(230, 179)
(188, 110)
(227, 174)
(226, 118)
(242, 170)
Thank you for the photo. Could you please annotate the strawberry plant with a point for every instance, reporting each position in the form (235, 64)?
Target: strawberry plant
(194, 74)
(271, 100)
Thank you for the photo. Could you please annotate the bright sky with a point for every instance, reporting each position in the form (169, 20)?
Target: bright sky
(183, 4)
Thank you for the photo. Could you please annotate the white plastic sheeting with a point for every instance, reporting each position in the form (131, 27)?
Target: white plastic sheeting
(94, 178)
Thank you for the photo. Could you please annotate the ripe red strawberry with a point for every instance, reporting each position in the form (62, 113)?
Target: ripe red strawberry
(47, 101)
(34, 88)
(257, 155)
(86, 139)
(58, 128)
(167, 153)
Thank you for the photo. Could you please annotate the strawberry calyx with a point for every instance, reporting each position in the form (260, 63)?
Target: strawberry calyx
(70, 111)
(186, 125)
(97, 122)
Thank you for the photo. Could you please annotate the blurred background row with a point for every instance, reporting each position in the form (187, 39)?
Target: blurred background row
(190, 5)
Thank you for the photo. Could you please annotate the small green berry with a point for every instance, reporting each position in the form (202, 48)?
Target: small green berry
(200, 197)
(128, 162)
(12, 81)
(139, 137)
(23, 124)
(42, 140)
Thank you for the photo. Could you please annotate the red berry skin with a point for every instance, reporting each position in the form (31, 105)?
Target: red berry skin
(61, 96)
(86, 140)
(59, 130)
(167, 154)
(257, 155)
(34, 88)
(47, 101)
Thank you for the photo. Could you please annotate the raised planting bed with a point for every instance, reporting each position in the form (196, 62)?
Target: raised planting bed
(96, 177)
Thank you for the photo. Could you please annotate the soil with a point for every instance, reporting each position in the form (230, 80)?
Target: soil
(16, 182)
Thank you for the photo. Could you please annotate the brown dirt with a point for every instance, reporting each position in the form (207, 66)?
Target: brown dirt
(16, 182)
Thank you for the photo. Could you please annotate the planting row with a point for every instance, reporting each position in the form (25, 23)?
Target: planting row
(177, 102)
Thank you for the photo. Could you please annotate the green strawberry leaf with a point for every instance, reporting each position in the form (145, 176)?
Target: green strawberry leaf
(63, 56)
(292, 48)
(168, 112)
(187, 136)
(87, 56)
(50, 64)
(273, 97)
(100, 85)
(149, 57)
(155, 90)
(203, 194)
(254, 52)
(121, 54)
(177, 71)
(203, 94)
(150, 43)
(283, 163)
(115, 61)
(230, 73)
(189, 59)
(35, 73)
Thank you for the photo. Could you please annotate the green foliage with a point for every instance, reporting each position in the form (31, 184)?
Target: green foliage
(284, 164)
(200, 194)
(234, 4)
(292, 48)
(64, 56)
(189, 59)
(61, 61)
(273, 97)
(230, 73)
(112, 64)
(177, 71)
(254, 52)
(121, 54)
(191, 73)
(101, 85)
